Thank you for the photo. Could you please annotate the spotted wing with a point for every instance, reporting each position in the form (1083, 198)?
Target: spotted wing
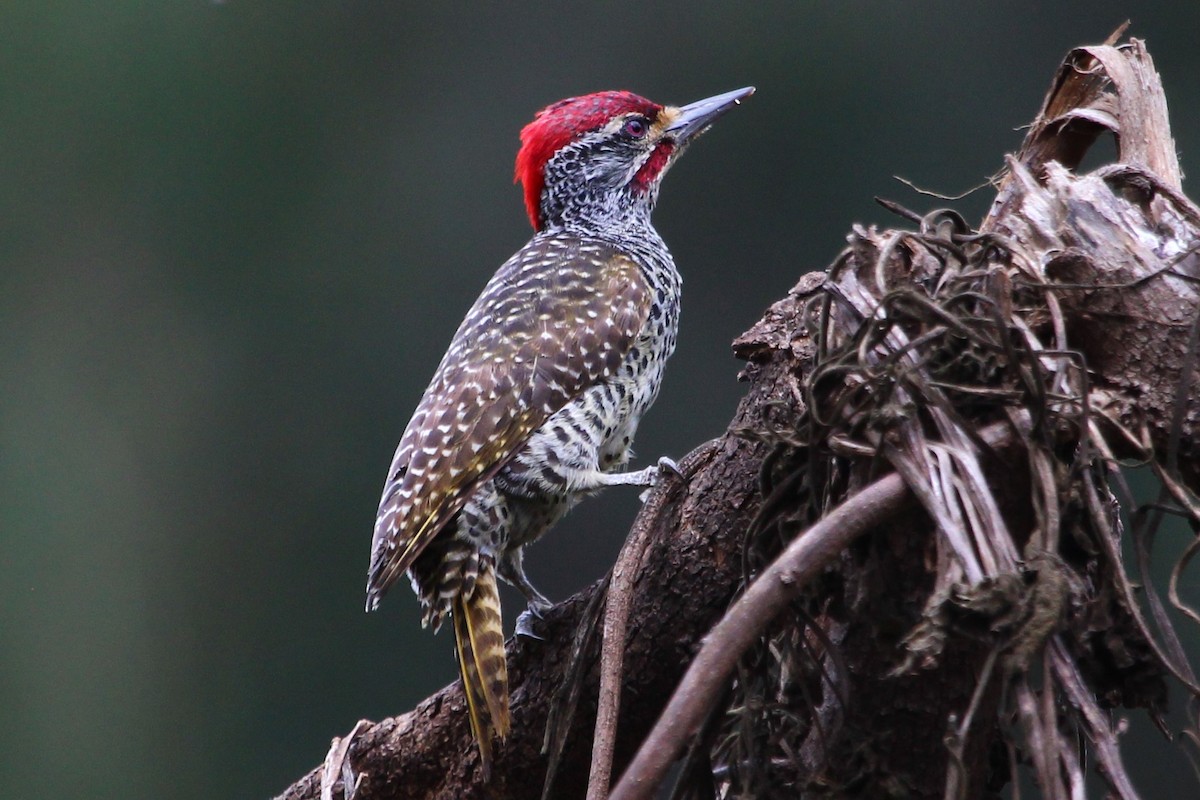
(557, 318)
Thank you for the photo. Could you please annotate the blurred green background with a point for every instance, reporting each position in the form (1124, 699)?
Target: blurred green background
(234, 240)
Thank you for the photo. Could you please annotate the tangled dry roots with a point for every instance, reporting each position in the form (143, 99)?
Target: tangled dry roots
(914, 342)
(922, 339)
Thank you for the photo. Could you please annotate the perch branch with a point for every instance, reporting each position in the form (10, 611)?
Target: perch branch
(612, 651)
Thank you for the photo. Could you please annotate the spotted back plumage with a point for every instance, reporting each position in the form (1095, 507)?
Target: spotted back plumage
(555, 319)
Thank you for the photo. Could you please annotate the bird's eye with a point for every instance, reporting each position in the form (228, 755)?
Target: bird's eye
(637, 127)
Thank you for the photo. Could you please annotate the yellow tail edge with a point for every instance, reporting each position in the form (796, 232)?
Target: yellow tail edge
(479, 636)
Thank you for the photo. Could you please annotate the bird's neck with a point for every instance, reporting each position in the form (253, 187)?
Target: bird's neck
(605, 211)
(619, 223)
(634, 234)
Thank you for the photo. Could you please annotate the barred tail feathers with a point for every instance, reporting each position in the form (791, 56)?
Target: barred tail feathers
(479, 635)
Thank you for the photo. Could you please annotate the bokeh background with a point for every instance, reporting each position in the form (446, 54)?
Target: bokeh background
(234, 240)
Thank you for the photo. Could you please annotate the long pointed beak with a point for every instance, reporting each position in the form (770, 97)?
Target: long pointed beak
(695, 118)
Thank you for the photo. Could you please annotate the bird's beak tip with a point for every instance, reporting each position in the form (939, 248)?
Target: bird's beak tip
(695, 118)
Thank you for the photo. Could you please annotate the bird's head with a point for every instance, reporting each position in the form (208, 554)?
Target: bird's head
(602, 156)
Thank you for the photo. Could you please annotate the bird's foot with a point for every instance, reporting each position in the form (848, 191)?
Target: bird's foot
(666, 467)
(531, 618)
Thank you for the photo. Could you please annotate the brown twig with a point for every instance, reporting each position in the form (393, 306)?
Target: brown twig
(337, 765)
(742, 625)
(616, 618)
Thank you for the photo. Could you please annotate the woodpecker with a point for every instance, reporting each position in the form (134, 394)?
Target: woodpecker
(536, 402)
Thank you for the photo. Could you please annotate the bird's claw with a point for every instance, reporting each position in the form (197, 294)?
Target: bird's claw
(528, 619)
(667, 466)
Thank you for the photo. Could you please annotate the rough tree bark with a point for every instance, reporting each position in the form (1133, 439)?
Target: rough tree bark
(1108, 240)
